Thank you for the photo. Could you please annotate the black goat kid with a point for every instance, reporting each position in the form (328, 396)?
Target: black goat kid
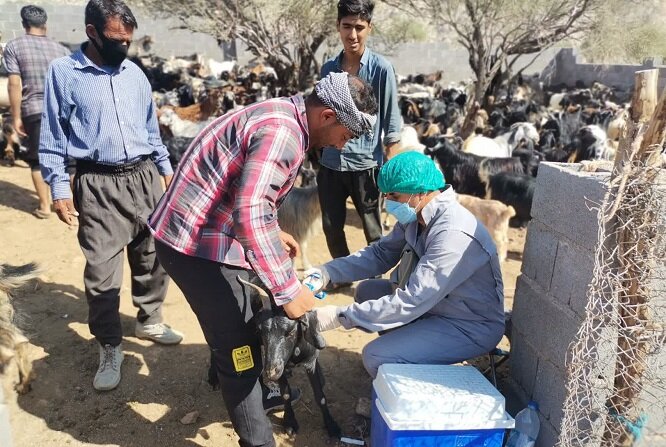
(287, 342)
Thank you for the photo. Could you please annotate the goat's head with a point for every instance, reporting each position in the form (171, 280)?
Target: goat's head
(283, 339)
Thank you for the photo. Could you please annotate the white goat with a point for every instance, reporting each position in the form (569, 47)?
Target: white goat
(518, 133)
(485, 147)
(300, 216)
(180, 127)
(217, 68)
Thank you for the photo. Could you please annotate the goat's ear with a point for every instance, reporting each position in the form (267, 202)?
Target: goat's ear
(265, 298)
(311, 334)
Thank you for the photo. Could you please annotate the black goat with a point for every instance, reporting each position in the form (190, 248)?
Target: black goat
(516, 190)
(460, 169)
(287, 342)
(469, 173)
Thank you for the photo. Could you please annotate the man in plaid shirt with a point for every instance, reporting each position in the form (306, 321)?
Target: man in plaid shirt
(218, 220)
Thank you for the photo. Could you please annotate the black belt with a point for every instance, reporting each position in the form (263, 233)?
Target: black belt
(87, 166)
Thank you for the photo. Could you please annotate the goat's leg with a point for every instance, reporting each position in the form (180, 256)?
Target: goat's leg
(289, 421)
(316, 377)
(26, 374)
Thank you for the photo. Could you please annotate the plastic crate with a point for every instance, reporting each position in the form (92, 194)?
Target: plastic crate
(436, 405)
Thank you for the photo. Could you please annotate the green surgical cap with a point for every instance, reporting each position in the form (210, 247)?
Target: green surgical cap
(410, 173)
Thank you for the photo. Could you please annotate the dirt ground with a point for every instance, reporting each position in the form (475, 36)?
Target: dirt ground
(159, 384)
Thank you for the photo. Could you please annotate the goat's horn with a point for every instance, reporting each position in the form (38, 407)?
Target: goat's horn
(265, 299)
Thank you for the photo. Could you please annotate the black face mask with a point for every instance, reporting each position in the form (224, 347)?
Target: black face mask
(112, 51)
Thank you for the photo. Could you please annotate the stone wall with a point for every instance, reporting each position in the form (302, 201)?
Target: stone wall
(551, 296)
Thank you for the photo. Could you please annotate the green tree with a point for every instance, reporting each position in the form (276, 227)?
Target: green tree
(627, 31)
(497, 32)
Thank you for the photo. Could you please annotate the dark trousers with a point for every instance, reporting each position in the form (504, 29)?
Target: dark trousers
(113, 210)
(223, 308)
(334, 188)
(32, 124)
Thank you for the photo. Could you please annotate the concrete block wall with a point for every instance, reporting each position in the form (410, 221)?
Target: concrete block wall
(66, 24)
(568, 66)
(552, 293)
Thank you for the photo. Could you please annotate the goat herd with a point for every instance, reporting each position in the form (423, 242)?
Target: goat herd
(525, 124)
(493, 169)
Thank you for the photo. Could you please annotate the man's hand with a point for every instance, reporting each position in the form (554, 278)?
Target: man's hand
(327, 318)
(65, 210)
(303, 302)
(19, 127)
(289, 244)
(167, 180)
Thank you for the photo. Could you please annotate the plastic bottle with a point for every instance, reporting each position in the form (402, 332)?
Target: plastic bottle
(314, 282)
(527, 427)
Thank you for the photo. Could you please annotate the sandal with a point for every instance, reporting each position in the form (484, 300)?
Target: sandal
(39, 214)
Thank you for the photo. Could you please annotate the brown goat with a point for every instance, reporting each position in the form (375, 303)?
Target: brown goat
(12, 341)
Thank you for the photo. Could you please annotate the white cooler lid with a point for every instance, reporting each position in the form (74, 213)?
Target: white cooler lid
(442, 423)
(454, 396)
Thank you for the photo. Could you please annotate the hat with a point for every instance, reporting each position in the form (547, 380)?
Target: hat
(410, 173)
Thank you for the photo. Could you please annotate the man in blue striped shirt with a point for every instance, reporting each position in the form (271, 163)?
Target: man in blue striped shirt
(98, 110)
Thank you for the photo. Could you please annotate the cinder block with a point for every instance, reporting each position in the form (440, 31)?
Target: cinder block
(572, 275)
(563, 198)
(523, 362)
(549, 326)
(550, 391)
(515, 396)
(539, 254)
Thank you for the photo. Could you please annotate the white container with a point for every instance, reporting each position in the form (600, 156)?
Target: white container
(460, 395)
(436, 406)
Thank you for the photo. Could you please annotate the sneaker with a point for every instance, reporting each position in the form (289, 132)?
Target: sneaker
(108, 373)
(159, 333)
(272, 397)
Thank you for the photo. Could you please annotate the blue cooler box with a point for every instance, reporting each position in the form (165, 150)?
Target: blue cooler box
(436, 406)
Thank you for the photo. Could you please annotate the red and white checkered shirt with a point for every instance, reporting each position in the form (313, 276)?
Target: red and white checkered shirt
(222, 202)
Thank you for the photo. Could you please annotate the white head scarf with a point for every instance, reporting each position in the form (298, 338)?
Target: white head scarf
(333, 92)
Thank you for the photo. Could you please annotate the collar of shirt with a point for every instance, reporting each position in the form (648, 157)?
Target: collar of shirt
(364, 59)
(82, 61)
(301, 116)
(433, 208)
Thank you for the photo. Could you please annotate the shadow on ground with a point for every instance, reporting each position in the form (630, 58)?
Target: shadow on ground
(13, 196)
(160, 384)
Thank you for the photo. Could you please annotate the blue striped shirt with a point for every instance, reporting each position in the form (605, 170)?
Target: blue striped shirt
(99, 114)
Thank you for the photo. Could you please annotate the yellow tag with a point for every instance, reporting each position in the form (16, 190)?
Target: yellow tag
(242, 358)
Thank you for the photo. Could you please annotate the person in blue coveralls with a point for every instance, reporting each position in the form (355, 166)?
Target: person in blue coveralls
(444, 302)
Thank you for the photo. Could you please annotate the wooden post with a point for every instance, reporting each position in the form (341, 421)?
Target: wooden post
(643, 103)
(634, 165)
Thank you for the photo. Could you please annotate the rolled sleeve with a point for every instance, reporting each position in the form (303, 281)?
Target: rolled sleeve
(272, 159)
(54, 136)
(392, 123)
